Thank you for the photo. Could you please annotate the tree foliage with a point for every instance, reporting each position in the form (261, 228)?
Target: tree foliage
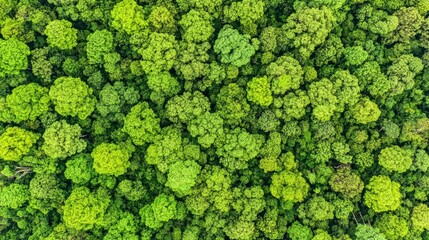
(382, 194)
(72, 97)
(13, 57)
(64, 41)
(111, 159)
(214, 119)
(62, 140)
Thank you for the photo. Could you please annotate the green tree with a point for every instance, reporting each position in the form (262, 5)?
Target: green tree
(420, 217)
(272, 223)
(233, 47)
(182, 176)
(112, 98)
(128, 16)
(376, 20)
(322, 99)
(163, 85)
(346, 87)
(259, 92)
(14, 195)
(237, 147)
(62, 140)
(40, 65)
(212, 189)
(285, 73)
(289, 186)
(424, 39)
(297, 231)
(268, 39)
(7, 7)
(295, 104)
(79, 169)
(111, 159)
(26, 102)
(160, 211)
(124, 228)
(13, 57)
(364, 232)
(186, 107)
(415, 131)
(212, 7)
(231, 104)
(409, 24)
(306, 29)
(159, 54)
(162, 20)
(84, 209)
(421, 161)
(240, 230)
(61, 34)
(142, 124)
(372, 78)
(170, 147)
(355, 55)
(72, 97)
(315, 210)
(46, 193)
(247, 12)
(346, 182)
(366, 111)
(207, 127)
(321, 235)
(248, 202)
(16, 142)
(382, 194)
(132, 190)
(193, 61)
(329, 52)
(197, 26)
(392, 226)
(402, 72)
(99, 44)
(395, 158)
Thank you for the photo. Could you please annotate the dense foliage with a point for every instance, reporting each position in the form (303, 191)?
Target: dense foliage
(214, 119)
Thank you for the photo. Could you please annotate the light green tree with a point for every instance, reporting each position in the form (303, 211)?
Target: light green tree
(289, 186)
(110, 159)
(197, 26)
(26, 102)
(366, 111)
(207, 127)
(142, 124)
(62, 140)
(72, 97)
(233, 47)
(420, 217)
(159, 54)
(14, 195)
(128, 16)
(99, 44)
(61, 34)
(395, 158)
(160, 211)
(13, 57)
(84, 209)
(16, 142)
(182, 176)
(259, 92)
(392, 226)
(382, 194)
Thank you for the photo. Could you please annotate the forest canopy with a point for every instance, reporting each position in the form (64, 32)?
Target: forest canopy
(214, 119)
